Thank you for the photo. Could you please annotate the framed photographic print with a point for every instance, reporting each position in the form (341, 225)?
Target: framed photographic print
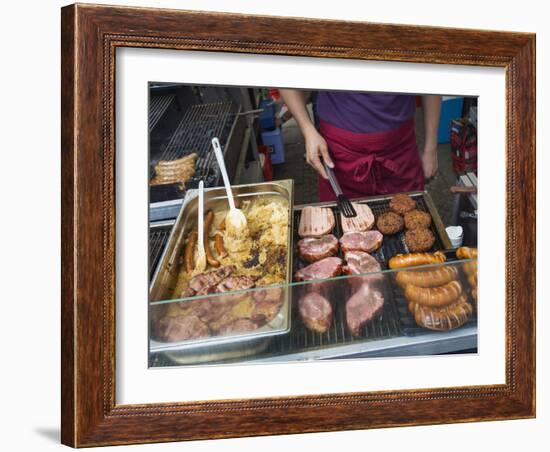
(271, 225)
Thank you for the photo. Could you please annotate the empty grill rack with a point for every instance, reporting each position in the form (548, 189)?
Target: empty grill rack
(157, 107)
(158, 238)
(194, 133)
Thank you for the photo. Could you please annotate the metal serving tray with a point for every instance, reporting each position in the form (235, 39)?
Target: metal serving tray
(165, 277)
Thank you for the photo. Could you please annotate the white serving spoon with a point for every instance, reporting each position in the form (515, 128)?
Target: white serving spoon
(235, 221)
(200, 265)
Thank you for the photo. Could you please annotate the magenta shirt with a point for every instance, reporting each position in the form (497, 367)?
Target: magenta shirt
(365, 112)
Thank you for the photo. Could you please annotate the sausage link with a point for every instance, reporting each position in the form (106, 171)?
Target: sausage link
(427, 278)
(207, 223)
(190, 251)
(413, 259)
(434, 296)
(444, 319)
(218, 240)
(465, 252)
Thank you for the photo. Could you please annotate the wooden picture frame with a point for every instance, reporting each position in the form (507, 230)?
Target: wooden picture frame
(90, 36)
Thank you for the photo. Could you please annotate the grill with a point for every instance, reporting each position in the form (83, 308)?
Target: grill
(194, 133)
(395, 319)
(157, 107)
(158, 238)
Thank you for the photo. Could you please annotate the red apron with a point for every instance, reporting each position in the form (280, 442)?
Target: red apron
(368, 164)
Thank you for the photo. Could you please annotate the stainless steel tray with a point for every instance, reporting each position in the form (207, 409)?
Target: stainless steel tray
(166, 275)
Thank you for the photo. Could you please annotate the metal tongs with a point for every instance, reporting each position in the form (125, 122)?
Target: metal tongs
(344, 204)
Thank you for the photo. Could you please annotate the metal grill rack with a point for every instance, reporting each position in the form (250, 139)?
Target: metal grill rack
(158, 238)
(157, 107)
(194, 133)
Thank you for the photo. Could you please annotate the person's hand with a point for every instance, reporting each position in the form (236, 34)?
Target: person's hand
(429, 162)
(317, 152)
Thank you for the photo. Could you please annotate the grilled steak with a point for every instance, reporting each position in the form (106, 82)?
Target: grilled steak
(205, 283)
(181, 328)
(315, 311)
(364, 305)
(328, 267)
(311, 249)
(368, 241)
(316, 222)
(362, 222)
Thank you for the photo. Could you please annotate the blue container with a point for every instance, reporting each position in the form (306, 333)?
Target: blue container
(450, 109)
(274, 138)
(267, 117)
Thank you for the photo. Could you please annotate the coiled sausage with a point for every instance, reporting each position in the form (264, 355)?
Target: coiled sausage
(427, 278)
(434, 296)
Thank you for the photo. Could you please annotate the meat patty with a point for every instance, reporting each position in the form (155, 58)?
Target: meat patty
(237, 326)
(368, 241)
(420, 239)
(312, 249)
(182, 327)
(328, 267)
(363, 306)
(389, 223)
(315, 311)
(417, 219)
(360, 223)
(402, 203)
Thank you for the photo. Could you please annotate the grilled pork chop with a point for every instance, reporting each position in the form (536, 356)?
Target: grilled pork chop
(316, 222)
(312, 249)
(368, 241)
(363, 306)
(315, 311)
(328, 267)
(362, 222)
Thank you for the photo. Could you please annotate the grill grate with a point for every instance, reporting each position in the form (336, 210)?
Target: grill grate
(194, 133)
(158, 238)
(157, 106)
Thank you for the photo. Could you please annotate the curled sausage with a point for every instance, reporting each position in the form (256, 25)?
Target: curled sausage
(218, 240)
(209, 257)
(465, 252)
(434, 296)
(442, 319)
(190, 251)
(427, 278)
(413, 259)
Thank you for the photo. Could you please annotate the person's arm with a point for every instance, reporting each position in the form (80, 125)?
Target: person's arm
(432, 109)
(316, 145)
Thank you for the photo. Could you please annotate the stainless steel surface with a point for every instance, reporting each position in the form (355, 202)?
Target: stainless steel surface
(332, 179)
(166, 275)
